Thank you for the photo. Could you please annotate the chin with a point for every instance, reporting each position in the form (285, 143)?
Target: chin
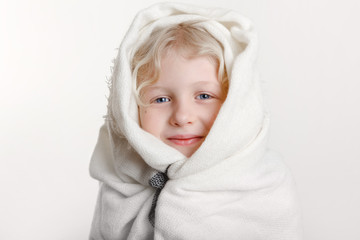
(187, 152)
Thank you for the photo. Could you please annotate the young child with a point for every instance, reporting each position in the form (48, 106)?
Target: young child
(180, 98)
(182, 154)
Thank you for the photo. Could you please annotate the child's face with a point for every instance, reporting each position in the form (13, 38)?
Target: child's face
(183, 104)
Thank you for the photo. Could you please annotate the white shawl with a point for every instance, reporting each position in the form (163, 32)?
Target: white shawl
(232, 187)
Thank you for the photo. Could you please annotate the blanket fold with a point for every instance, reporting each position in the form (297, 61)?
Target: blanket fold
(232, 187)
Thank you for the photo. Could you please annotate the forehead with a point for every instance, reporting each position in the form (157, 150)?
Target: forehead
(187, 53)
(175, 66)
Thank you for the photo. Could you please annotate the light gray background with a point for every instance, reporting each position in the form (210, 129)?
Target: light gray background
(55, 57)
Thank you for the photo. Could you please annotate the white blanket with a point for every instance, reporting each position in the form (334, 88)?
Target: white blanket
(232, 187)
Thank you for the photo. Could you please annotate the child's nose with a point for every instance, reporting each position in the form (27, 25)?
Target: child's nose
(182, 114)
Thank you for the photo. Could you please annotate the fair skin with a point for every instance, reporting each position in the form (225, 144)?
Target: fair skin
(182, 105)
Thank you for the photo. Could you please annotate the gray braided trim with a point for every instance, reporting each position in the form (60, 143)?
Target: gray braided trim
(158, 182)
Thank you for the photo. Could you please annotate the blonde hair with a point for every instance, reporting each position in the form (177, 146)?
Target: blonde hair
(188, 38)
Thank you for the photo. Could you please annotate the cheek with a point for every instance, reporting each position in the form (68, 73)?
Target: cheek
(145, 118)
(149, 121)
(211, 114)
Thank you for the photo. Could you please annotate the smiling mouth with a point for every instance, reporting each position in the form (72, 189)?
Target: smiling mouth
(185, 140)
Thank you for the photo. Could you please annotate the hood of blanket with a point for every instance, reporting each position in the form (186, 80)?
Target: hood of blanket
(242, 117)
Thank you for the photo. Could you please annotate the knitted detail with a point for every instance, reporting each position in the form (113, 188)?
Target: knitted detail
(158, 182)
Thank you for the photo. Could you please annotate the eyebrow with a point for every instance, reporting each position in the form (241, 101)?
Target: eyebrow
(153, 88)
(207, 83)
(196, 83)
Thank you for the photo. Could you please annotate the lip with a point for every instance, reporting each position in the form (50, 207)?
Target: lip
(185, 140)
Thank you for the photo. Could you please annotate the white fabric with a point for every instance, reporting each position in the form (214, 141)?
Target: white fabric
(232, 187)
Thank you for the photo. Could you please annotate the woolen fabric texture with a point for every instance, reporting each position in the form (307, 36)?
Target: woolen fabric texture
(232, 187)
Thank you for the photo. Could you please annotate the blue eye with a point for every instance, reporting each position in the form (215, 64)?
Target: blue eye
(204, 96)
(162, 100)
